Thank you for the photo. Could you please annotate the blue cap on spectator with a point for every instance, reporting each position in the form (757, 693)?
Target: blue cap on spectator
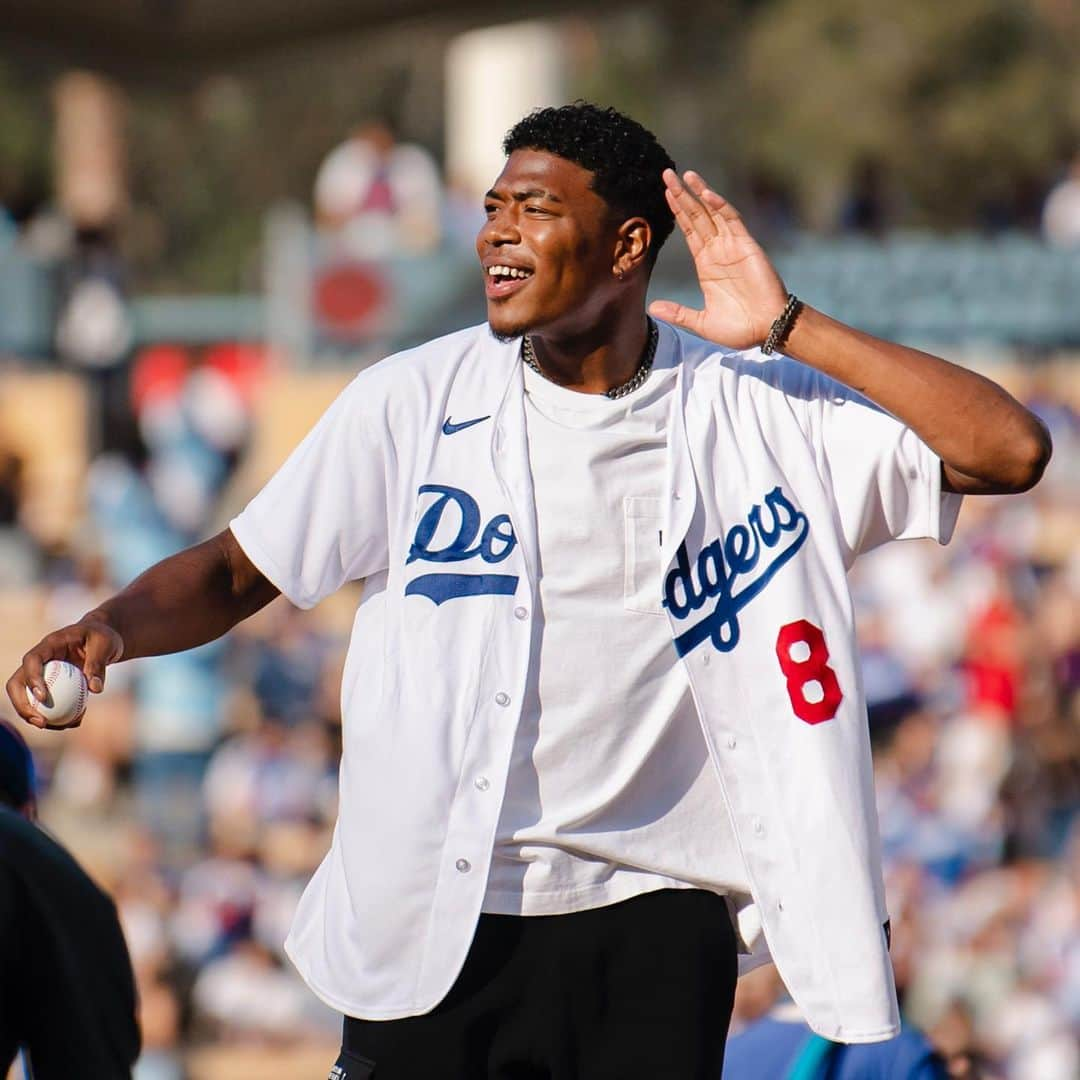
(16, 768)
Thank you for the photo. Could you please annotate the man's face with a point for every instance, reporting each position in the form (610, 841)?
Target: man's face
(552, 240)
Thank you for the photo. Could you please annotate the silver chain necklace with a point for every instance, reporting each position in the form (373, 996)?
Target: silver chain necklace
(528, 354)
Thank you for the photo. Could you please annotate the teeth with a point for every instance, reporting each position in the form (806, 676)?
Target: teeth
(508, 271)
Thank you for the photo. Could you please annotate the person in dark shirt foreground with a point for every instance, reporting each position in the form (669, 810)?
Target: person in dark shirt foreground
(67, 993)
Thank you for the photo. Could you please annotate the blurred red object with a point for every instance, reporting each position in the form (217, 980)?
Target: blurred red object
(158, 374)
(993, 662)
(349, 298)
(244, 364)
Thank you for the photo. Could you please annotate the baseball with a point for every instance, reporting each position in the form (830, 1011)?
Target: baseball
(67, 694)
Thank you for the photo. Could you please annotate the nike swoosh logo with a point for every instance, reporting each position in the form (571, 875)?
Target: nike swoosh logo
(450, 428)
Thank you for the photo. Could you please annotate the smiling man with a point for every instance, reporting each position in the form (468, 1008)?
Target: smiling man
(604, 735)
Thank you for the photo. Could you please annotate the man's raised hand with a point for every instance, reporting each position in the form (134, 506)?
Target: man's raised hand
(743, 292)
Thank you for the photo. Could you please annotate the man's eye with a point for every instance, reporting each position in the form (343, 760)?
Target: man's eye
(535, 210)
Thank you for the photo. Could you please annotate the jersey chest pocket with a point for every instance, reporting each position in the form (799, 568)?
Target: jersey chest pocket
(644, 523)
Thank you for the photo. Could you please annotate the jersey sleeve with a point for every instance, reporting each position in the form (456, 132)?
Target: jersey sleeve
(321, 520)
(885, 482)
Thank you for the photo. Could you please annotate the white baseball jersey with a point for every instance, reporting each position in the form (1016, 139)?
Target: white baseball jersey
(417, 480)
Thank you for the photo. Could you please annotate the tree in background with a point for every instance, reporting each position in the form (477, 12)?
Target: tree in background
(969, 105)
(24, 155)
(962, 113)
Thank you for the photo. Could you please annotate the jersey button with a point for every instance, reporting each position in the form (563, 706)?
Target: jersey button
(502, 699)
(521, 613)
(759, 826)
(463, 866)
(731, 742)
(481, 783)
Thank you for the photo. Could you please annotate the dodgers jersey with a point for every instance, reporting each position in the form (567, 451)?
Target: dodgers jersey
(417, 481)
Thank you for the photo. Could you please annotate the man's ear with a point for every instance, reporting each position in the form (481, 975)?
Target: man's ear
(632, 244)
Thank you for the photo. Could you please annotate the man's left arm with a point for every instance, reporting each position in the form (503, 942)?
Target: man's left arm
(987, 441)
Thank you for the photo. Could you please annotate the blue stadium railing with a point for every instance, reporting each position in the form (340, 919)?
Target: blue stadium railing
(1009, 290)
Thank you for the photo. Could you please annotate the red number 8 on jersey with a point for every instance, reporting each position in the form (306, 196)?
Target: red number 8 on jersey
(802, 652)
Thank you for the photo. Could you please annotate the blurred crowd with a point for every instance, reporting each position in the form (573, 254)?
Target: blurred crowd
(202, 788)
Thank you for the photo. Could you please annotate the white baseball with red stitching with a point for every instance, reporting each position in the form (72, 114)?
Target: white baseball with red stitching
(67, 694)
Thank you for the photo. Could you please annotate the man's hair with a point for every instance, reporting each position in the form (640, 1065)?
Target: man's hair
(625, 159)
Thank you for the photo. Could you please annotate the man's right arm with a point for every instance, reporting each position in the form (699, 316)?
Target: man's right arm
(185, 600)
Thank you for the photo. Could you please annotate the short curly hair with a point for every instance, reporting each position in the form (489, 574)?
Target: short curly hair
(626, 159)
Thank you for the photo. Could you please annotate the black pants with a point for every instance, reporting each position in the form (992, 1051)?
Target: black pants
(638, 989)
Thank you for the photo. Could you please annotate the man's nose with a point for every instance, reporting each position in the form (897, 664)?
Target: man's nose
(500, 228)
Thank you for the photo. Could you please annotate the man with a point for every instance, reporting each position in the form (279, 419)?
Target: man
(67, 994)
(556, 830)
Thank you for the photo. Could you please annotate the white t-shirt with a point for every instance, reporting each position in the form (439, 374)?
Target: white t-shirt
(611, 792)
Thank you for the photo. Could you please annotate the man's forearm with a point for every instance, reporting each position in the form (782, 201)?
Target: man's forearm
(987, 440)
(186, 600)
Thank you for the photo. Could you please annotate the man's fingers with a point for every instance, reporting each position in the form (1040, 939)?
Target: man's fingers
(732, 218)
(696, 183)
(33, 677)
(29, 680)
(99, 649)
(678, 315)
(16, 691)
(692, 217)
(694, 240)
(719, 211)
(727, 217)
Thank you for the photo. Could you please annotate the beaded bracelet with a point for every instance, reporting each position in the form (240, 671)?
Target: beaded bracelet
(780, 329)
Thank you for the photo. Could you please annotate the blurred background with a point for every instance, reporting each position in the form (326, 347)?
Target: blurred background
(212, 216)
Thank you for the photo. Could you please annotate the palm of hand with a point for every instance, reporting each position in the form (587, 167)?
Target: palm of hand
(742, 291)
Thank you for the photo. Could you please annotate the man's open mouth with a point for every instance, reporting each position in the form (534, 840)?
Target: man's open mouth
(504, 280)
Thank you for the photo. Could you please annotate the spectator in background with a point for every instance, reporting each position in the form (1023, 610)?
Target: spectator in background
(377, 197)
(289, 666)
(865, 208)
(19, 557)
(771, 211)
(771, 1041)
(94, 328)
(780, 1046)
(1061, 212)
(66, 989)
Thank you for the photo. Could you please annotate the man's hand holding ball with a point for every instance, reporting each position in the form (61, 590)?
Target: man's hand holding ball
(52, 686)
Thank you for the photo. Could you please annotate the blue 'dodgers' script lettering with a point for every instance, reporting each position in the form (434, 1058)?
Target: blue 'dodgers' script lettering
(776, 526)
(491, 544)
